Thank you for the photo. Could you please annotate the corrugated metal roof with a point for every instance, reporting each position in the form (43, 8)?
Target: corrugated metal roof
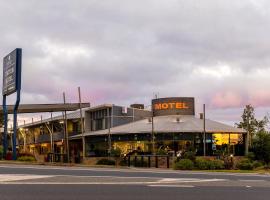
(71, 115)
(169, 124)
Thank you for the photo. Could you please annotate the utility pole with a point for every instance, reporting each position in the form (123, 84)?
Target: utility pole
(204, 132)
(247, 138)
(152, 131)
(65, 129)
(109, 118)
(82, 123)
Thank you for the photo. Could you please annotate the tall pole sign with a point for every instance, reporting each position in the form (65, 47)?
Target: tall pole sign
(12, 64)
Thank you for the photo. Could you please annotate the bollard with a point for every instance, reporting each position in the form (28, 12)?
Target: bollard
(156, 158)
(168, 162)
(128, 161)
(142, 161)
(135, 161)
(149, 161)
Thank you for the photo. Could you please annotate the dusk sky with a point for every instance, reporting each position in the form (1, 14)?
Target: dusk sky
(125, 51)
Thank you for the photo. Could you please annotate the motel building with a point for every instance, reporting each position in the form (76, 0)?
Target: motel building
(172, 126)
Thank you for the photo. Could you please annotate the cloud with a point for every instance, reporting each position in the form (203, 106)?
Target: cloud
(124, 51)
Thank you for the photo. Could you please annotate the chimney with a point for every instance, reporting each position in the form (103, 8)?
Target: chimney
(201, 115)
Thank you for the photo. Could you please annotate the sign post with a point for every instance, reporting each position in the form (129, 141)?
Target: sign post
(12, 64)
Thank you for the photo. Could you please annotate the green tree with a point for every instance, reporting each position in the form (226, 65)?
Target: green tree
(261, 146)
(251, 124)
(248, 122)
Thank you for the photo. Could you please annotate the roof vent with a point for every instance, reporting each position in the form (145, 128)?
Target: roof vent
(201, 115)
(178, 119)
(149, 120)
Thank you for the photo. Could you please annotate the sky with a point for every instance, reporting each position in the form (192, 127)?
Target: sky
(126, 51)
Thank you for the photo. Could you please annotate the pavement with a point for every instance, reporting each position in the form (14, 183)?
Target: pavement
(54, 182)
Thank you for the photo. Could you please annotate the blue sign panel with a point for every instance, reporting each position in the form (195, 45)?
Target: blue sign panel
(12, 72)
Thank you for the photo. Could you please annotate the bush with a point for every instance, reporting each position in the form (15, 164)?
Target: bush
(261, 146)
(123, 162)
(205, 164)
(184, 164)
(1, 152)
(218, 164)
(162, 152)
(257, 164)
(116, 152)
(201, 163)
(251, 156)
(245, 164)
(190, 155)
(105, 161)
(27, 159)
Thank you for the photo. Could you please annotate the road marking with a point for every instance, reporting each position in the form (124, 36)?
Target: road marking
(187, 180)
(248, 186)
(20, 177)
(251, 180)
(172, 186)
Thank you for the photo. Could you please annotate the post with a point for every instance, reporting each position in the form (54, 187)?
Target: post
(152, 132)
(24, 138)
(65, 130)
(52, 142)
(109, 131)
(204, 132)
(247, 138)
(5, 112)
(14, 150)
(82, 123)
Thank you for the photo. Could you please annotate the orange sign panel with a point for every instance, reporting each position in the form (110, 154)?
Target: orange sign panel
(173, 105)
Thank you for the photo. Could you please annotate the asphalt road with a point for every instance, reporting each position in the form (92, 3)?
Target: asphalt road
(45, 182)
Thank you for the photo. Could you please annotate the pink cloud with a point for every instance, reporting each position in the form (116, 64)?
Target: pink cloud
(226, 99)
(260, 98)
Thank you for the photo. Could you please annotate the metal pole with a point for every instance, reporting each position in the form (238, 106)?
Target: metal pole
(109, 130)
(204, 132)
(24, 138)
(65, 129)
(5, 126)
(152, 130)
(82, 123)
(247, 138)
(14, 151)
(52, 142)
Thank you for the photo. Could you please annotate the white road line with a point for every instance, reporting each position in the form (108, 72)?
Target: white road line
(251, 180)
(172, 186)
(20, 177)
(188, 180)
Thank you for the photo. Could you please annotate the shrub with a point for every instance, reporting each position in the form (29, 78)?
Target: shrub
(105, 161)
(1, 152)
(184, 164)
(201, 163)
(257, 164)
(116, 152)
(123, 162)
(218, 164)
(251, 156)
(190, 155)
(162, 152)
(245, 164)
(205, 164)
(27, 158)
(261, 146)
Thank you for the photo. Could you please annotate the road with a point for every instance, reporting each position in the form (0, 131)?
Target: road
(48, 182)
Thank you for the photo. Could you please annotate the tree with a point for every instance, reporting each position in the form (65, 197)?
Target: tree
(261, 146)
(248, 122)
(251, 124)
